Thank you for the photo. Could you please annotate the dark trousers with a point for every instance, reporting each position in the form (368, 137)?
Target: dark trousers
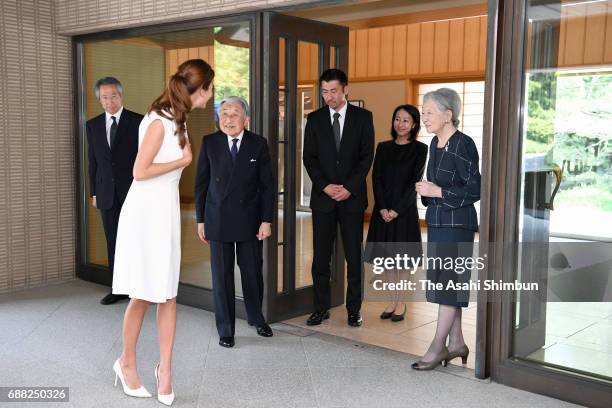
(110, 221)
(324, 226)
(250, 262)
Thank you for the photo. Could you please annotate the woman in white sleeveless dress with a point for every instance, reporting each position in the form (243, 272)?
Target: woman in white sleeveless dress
(148, 249)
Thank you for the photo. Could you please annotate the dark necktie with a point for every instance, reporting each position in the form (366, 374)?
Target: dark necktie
(113, 131)
(336, 127)
(234, 149)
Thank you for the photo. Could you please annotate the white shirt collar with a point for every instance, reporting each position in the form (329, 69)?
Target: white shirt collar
(342, 111)
(230, 139)
(117, 115)
(239, 137)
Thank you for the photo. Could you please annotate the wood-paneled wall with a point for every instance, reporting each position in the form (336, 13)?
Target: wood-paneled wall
(176, 57)
(585, 36)
(421, 49)
(308, 57)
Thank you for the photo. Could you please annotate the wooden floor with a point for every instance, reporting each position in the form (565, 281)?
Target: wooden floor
(412, 335)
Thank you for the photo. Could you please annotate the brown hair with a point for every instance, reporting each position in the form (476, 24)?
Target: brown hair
(176, 99)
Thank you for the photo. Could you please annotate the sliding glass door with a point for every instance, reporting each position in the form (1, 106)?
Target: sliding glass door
(554, 199)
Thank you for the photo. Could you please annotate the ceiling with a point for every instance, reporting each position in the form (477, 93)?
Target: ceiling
(367, 9)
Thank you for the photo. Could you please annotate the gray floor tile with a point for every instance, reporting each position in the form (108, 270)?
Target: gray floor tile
(324, 353)
(369, 387)
(255, 388)
(280, 351)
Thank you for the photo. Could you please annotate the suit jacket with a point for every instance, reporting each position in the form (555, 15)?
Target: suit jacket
(458, 175)
(232, 200)
(111, 168)
(349, 166)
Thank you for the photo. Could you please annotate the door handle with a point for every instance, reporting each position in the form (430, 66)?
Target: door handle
(558, 172)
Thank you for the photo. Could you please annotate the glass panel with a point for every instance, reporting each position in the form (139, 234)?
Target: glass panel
(332, 57)
(117, 58)
(306, 103)
(226, 48)
(281, 224)
(281, 245)
(280, 288)
(281, 173)
(307, 97)
(281, 89)
(303, 249)
(281, 165)
(566, 146)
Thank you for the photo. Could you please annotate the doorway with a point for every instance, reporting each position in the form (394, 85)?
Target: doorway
(392, 60)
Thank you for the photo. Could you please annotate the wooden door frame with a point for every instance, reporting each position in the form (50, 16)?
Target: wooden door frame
(292, 301)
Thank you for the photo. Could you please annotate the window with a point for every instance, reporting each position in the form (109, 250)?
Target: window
(144, 64)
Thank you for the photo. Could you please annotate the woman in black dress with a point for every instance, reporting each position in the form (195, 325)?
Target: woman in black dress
(398, 165)
(451, 189)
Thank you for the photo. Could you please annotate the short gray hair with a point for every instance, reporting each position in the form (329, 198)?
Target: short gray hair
(446, 99)
(239, 101)
(107, 81)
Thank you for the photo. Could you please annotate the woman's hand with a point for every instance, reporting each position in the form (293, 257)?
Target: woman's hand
(388, 215)
(384, 213)
(187, 154)
(393, 215)
(428, 189)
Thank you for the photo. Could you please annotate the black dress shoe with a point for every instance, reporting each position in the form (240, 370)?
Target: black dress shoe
(317, 317)
(110, 299)
(265, 330)
(226, 341)
(354, 319)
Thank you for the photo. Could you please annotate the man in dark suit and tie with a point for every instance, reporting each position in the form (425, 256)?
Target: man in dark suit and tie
(234, 196)
(338, 153)
(113, 144)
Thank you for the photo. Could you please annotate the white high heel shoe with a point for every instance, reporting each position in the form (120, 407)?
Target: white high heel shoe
(140, 392)
(165, 399)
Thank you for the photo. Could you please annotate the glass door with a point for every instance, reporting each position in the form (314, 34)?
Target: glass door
(226, 44)
(554, 141)
(296, 52)
(566, 205)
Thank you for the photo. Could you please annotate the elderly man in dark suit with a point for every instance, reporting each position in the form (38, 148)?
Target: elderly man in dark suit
(234, 195)
(338, 153)
(112, 138)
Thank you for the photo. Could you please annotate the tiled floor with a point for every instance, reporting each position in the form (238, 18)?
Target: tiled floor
(578, 336)
(61, 336)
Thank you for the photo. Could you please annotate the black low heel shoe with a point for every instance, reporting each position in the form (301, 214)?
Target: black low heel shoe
(398, 317)
(386, 315)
